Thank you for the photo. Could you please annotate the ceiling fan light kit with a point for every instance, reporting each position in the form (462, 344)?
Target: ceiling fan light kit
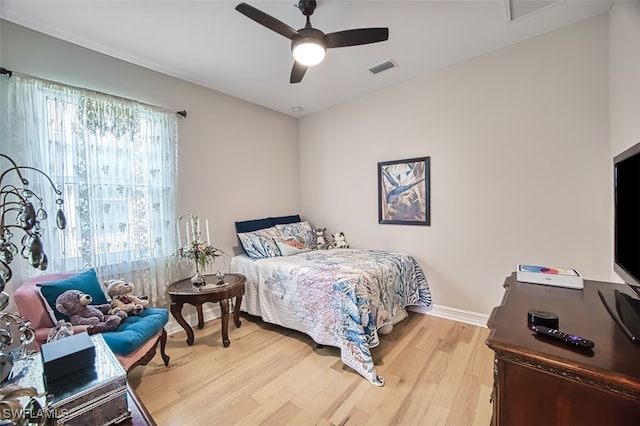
(308, 44)
(308, 51)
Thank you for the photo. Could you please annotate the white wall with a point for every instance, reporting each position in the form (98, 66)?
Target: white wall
(624, 75)
(520, 164)
(518, 139)
(233, 155)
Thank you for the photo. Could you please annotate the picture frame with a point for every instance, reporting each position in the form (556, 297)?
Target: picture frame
(403, 192)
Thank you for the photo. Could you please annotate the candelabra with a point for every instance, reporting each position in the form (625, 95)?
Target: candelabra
(196, 249)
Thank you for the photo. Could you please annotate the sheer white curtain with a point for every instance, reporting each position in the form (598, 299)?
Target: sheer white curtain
(115, 161)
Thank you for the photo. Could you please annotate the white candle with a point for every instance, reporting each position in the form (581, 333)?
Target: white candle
(186, 227)
(178, 228)
(208, 237)
(193, 228)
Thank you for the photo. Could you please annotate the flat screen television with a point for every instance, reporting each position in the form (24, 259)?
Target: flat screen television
(624, 306)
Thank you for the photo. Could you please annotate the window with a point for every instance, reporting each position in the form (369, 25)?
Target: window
(115, 161)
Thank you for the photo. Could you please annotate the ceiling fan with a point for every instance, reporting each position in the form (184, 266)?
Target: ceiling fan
(308, 44)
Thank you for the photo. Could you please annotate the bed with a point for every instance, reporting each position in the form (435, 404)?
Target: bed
(339, 297)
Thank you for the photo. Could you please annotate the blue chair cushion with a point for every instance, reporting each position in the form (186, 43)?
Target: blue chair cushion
(136, 330)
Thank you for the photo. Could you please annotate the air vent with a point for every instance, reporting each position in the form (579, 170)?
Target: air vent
(383, 66)
(517, 9)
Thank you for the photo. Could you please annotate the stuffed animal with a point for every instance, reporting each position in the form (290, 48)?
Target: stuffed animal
(121, 298)
(321, 241)
(77, 306)
(339, 240)
(61, 330)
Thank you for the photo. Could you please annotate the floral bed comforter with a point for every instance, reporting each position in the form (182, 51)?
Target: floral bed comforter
(338, 297)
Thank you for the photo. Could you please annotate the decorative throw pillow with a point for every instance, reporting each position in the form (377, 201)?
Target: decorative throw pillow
(260, 244)
(300, 231)
(291, 246)
(87, 282)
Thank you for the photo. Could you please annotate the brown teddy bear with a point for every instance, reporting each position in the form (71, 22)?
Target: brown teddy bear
(121, 298)
(77, 306)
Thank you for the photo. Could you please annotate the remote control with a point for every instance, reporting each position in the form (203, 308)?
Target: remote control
(571, 339)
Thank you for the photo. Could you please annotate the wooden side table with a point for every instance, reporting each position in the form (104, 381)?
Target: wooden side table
(183, 291)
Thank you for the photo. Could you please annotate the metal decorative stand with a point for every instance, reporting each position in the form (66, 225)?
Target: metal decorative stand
(20, 201)
(18, 213)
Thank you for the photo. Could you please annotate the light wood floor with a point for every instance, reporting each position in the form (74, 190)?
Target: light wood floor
(437, 372)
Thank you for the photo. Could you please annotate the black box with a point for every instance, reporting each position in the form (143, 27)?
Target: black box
(66, 356)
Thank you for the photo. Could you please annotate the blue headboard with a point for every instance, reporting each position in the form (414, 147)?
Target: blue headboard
(268, 222)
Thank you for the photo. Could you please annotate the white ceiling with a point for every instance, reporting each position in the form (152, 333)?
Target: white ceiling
(208, 43)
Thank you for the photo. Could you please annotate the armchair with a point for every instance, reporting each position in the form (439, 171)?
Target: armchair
(134, 342)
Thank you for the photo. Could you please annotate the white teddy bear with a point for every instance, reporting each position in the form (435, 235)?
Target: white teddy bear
(339, 240)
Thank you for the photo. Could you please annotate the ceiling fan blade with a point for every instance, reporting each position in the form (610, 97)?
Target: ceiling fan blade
(297, 72)
(356, 37)
(267, 20)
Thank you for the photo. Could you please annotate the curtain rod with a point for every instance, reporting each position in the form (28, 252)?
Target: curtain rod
(5, 71)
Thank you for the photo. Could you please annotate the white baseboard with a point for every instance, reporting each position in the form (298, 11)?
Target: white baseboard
(460, 315)
(468, 317)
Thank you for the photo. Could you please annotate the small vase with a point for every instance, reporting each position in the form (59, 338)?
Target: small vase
(197, 280)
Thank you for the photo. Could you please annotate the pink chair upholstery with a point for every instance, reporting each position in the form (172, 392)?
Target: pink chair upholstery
(32, 306)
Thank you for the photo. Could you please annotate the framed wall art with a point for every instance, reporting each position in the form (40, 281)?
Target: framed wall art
(403, 192)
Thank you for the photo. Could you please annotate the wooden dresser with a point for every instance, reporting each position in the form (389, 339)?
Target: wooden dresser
(541, 382)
